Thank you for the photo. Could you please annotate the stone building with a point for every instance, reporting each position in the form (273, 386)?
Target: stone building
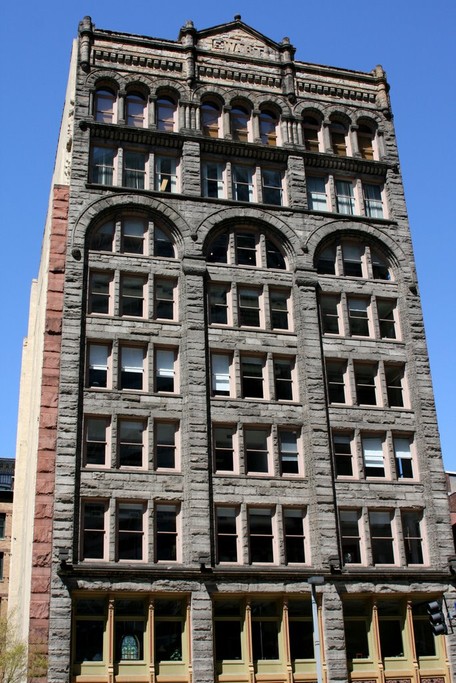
(228, 456)
(6, 513)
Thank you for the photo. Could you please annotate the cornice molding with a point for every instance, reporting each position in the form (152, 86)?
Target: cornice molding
(137, 60)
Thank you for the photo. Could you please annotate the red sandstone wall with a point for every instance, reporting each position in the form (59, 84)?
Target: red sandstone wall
(44, 498)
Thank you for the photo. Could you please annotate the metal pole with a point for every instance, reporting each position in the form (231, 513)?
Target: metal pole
(316, 631)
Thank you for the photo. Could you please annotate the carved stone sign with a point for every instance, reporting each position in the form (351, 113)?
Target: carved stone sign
(239, 43)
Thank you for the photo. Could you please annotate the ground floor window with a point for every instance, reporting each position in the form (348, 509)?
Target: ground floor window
(391, 633)
(270, 633)
(145, 630)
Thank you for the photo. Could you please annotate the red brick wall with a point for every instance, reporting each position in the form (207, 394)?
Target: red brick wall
(44, 498)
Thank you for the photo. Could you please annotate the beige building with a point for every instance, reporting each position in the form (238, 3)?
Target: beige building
(228, 458)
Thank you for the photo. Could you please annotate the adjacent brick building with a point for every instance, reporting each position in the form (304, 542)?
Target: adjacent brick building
(226, 387)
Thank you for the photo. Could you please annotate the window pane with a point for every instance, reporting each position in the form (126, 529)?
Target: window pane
(220, 375)
(288, 448)
(165, 445)
(131, 443)
(228, 640)
(163, 245)
(256, 450)
(223, 448)
(164, 370)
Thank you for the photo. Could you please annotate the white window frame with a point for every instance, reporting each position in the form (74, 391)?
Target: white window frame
(108, 275)
(101, 362)
(317, 196)
(250, 183)
(301, 513)
(234, 447)
(139, 175)
(289, 454)
(175, 445)
(271, 513)
(406, 453)
(266, 451)
(139, 506)
(106, 441)
(166, 181)
(219, 375)
(122, 421)
(234, 512)
(218, 180)
(168, 369)
(373, 448)
(162, 506)
(132, 366)
(100, 170)
(103, 503)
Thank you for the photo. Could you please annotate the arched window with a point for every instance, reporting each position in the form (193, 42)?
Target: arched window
(246, 247)
(366, 142)
(130, 234)
(353, 258)
(104, 105)
(268, 128)
(311, 127)
(338, 132)
(240, 123)
(166, 114)
(135, 110)
(210, 119)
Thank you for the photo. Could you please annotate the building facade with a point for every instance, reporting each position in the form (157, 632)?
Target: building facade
(6, 514)
(226, 387)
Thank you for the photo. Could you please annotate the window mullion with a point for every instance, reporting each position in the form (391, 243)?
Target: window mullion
(111, 639)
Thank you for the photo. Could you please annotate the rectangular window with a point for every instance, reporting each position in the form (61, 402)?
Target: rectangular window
(300, 630)
(366, 384)
(2, 524)
(98, 357)
(342, 444)
(100, 293)
(350, 536)
(271, 186)
(345, 200)
(90, 624)
(252, 376)
(165, 445)
(164, 299)
(227, 534)
(93, 530)
(374, 459)
(169, 629)
(256, 450)
(316, 194)
(131, 443)
(246, 249)
(424, 638)
(329, 309)
(129, 630)
(279, 302)
(373, 204)
(132, 296)
(283, 379)
(228, 630)
(381, 537)
(357, 618)
(130, 531)
(413, 542)
(293, 524)
(249, 311)
(213, 180)
(165, 370)
(386, 309)
(166, 174)
(403, 457)
(223, 440)
(132, 236)
(218, 304)
(391, 629)
(243, 183)
(102, 170)
(96, 447)
(288, 451)
(335, 373)
(221, 364)
(261, 536)
(265, 630)
(166, 533)
(358, 316)
(352, 260)
(134, 170)
(394, 376)
(132, 368)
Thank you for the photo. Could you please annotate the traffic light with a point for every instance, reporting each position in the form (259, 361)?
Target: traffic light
(436, 618)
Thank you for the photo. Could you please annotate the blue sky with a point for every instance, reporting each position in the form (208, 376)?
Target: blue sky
(414, 41)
